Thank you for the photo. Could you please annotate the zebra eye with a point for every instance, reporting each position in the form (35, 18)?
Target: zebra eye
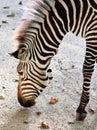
(22, 50)
(20, 72)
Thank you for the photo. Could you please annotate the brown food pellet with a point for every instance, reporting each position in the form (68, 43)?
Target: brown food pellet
(53, 100)
(38, 113)
(44, 125)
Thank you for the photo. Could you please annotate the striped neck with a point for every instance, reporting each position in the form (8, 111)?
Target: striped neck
(44, 34)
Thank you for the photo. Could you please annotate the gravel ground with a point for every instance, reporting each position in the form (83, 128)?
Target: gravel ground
(65, 86)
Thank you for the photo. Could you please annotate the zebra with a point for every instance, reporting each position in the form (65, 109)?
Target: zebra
(42, 28)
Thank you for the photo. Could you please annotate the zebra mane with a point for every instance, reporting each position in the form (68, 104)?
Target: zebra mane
(35, 10)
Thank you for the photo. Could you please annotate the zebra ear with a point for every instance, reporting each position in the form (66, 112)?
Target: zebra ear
(21, 49)
(14, 54)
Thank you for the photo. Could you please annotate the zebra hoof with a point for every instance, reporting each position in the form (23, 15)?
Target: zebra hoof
(27, 102)
(81, 116)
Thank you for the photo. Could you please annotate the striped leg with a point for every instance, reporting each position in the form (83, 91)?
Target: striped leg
(88, 69)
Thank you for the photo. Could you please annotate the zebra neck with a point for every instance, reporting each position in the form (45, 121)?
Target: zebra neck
(41, 47)
(44, 35)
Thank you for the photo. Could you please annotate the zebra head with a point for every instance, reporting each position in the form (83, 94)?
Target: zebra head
(32, 78)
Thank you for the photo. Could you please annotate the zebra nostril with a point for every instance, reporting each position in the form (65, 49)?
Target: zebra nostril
(29, 103)
(26, 103)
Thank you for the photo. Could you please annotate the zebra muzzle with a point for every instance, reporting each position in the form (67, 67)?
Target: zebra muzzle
(27, 102)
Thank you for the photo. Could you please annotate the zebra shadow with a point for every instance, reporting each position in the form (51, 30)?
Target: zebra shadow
(90, 123)
(18, 121)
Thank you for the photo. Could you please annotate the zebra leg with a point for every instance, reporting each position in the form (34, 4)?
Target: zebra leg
(88, 69)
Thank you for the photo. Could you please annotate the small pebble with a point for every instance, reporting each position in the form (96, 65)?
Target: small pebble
(73, 66)
(2, 97)
(38, 113)
(20, 3)
(15, 80)
(4, 21)
(3, 87)
(6, 7)
(25, 122)
(70, 122)
(44, 125)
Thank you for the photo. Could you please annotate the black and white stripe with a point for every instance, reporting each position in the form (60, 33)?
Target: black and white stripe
(50, 20)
